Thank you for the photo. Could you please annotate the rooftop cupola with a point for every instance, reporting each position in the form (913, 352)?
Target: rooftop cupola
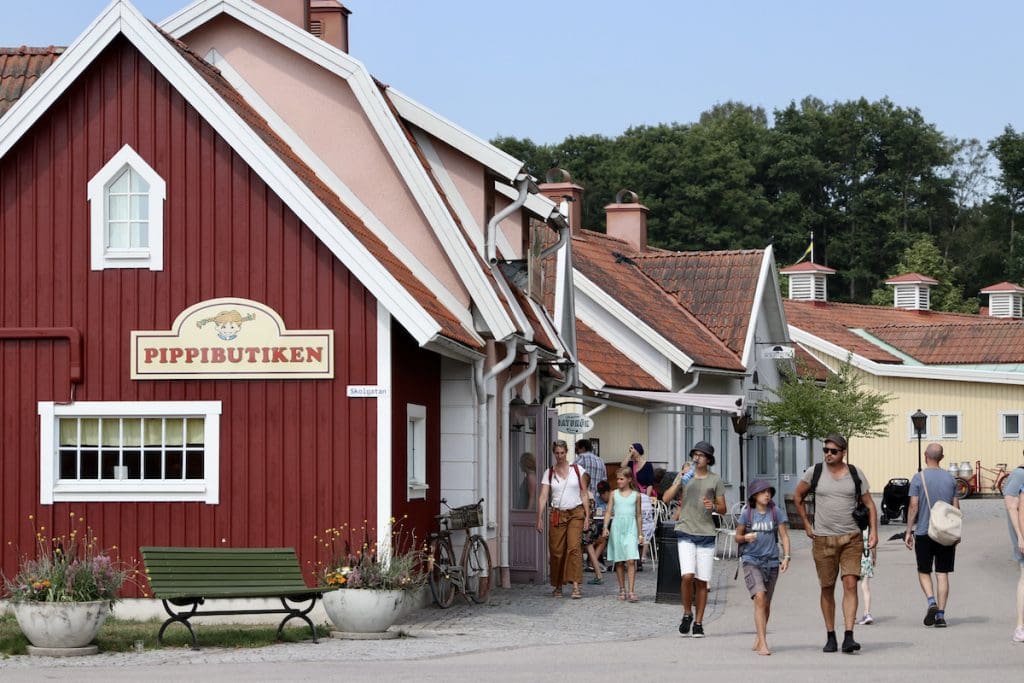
(807, 281)
(912, 291)
(1005, 300)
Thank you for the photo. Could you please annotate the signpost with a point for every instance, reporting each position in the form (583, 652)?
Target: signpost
(574, 423)
(778, 352)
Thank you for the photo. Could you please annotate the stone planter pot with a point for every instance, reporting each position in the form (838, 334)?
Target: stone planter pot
(61, 625)
(359, 612)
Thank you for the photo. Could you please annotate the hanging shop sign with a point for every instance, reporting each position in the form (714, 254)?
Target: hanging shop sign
(232, 339)
(574, 423)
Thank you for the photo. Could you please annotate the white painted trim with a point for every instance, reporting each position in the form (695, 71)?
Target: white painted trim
(51, 490)
(628, 318)
(590, 379)
(749, 356)
(336, 185)
(387, 127)
(909, 371)
(490, 156)
(385, 405)
(416, 489)
(561, 256)
(122, 18)
(1003, 434)
(151, 257)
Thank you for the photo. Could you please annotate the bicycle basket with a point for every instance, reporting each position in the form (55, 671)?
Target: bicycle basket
(466, 516)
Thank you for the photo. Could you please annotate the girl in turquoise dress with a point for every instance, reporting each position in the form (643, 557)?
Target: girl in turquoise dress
(625, 535)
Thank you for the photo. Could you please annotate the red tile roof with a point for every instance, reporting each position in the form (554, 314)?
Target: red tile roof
(809, 366)
(450, 325)
(1002, 287)
(610, 364)
(20, 67)
(611, 265)
(718, 287)
(927, 336)
(806, 267)
(911, 278)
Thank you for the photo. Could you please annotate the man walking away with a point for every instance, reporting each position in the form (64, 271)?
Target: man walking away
(1013, 497)
(591, 464)
(836, 537)
(931, 556)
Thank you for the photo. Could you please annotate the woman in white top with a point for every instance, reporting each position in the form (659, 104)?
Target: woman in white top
(569, 514)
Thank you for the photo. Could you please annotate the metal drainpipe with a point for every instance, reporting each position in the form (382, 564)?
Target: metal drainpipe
(506, 397)
(482, 381)
(692, 384)
(597, 410)
(524, 182)
(563, 233)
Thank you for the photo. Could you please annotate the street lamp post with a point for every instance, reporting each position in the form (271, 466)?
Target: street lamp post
(920, 421)
(739, 425)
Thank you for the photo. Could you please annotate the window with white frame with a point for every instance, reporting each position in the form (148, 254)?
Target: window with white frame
(129, 451)
(939, 425)
(126, 213)
(416, 443)
(1009, 425)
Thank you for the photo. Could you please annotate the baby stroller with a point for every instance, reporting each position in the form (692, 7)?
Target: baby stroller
(895, 500)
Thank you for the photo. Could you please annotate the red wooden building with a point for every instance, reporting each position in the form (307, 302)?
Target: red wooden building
(207, 338)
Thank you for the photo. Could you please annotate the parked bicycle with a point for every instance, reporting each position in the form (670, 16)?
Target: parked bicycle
(472, 575)
(969, 480)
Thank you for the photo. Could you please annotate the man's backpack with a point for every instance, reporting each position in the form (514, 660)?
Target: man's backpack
(860, 511)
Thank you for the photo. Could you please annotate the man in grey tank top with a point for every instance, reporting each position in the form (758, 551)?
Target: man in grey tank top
(931, 556)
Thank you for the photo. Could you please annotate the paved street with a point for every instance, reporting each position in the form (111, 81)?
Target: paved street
(525, 635)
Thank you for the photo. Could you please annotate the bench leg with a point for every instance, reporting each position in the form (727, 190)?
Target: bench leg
(296, 613)
(181, 618)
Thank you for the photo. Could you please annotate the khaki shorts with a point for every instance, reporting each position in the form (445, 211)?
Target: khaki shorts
(836, 556)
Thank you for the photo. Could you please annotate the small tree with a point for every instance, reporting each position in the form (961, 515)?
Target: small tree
(802, 406)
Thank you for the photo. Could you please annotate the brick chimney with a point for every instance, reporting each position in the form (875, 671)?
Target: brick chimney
(626, 219)
(912, 291)
(1004, 300)
(325, 19)
(807, 281)
(559, 188)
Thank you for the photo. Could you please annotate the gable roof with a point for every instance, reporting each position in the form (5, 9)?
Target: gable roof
(20, 67)
(608, 264)
(386, 124)
(386, 277)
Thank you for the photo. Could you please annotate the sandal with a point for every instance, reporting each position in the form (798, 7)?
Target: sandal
(576, 594)
(596, 581)
(633, 598)
(556, 593)
(622, 594)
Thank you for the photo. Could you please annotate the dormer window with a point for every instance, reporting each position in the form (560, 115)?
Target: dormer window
(126, 211)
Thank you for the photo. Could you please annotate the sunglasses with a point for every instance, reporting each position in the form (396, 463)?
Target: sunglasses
(831, 451)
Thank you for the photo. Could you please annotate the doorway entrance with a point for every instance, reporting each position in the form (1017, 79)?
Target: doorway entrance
(530, 430)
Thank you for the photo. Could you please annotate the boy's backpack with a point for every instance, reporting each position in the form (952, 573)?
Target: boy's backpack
(747, 515)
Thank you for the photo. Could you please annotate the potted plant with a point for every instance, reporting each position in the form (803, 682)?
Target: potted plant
(373, 583)
(62, 596)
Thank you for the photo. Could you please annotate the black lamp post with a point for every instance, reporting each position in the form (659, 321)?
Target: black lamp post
(920, 421)
(739, 425)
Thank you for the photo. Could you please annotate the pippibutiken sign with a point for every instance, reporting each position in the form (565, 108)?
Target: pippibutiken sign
(231, 339)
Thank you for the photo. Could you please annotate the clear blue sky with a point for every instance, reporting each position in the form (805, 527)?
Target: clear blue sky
(546, 69)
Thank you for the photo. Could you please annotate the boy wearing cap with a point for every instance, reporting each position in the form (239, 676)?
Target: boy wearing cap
(760, 529)
(702, 494)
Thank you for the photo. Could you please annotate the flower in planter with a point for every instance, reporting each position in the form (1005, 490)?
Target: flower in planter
(68, 568)
(355, 562)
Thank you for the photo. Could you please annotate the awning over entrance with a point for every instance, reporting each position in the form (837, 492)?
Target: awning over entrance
(729, 403)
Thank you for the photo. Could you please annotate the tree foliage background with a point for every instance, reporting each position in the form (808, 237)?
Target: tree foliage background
(874, 181)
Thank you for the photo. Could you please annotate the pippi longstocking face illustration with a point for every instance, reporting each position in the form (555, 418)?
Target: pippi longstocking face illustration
(228, 323)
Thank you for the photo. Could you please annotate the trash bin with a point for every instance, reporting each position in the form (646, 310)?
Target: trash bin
(668, 563)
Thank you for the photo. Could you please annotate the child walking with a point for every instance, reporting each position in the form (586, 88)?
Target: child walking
(868, 560)
(625, 535)
(761, 527)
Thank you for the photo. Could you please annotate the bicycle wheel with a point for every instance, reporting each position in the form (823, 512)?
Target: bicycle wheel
(963, 488)
(476, 568)
(441, 585)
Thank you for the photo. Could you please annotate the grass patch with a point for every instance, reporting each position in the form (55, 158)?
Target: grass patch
(119, 635)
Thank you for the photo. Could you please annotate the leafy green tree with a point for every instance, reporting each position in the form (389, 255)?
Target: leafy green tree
(804, 407)
(924, 258)
(1008, 149)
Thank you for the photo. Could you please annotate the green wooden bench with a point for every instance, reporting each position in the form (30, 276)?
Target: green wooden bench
(187, 577)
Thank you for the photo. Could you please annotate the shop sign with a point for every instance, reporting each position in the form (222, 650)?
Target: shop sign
(574, 423)
(231, 339)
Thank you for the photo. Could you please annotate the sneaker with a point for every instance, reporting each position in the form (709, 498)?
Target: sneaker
(684, 625)
(830, 645)
(698, 631)
(866, 620)
(850, 645)
(940, 622)
(929, 617)
(1018, 635)
(596, 581)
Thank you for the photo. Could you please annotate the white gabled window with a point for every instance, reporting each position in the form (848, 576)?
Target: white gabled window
(416, 449)
(128, 451)
(126, 214)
